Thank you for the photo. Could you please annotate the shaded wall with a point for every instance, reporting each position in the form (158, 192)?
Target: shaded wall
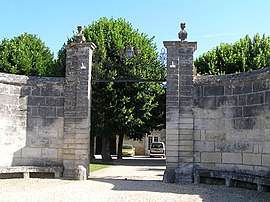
(232, 121)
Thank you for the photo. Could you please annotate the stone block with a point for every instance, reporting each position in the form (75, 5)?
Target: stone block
(255, 98)
(215, 135)
(204, 146)
(250, 111)
(69, 157)
(171, 159)
(185, 142)
(234, 146)
(244, 123)
(186, 154)
(185, 148)
(171, 153)
(226, 101)
(252, 159)
(51, 91)
(185, 126)
(172, 116)
(54, 101)
(262, 85)
(232, 158)
(197, 135)
(81, 152)
(31, 152)
(265, 159)
(36, 101)
(47, 111)
(266, 147)
(186, 137)
(172, 138)
(197, 157)
(232, 112)
(186, 121)
(242, 88)
(211, 157)
(213, 90)
(49, 153)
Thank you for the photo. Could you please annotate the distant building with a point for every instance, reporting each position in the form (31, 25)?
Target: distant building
(143, 147)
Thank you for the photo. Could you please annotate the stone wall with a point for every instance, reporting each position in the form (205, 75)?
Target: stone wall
(31, 120)
(232, 122)
(219, 123)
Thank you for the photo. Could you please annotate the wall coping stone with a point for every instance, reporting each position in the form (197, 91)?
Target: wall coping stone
(26, 80)
(235, 78)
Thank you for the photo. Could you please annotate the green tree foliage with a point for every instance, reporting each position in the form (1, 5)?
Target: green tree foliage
(245, 55)
(26, 55)
(124, 108)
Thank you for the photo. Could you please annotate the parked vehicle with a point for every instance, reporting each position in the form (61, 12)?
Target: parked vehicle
(157, 149)
(128, 150)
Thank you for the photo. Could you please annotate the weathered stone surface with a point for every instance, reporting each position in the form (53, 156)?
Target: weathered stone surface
(179, 118)
(232, 158)
(40, 116)
(211, 157)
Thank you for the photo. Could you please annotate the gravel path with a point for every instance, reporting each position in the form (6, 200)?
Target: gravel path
(121, 183)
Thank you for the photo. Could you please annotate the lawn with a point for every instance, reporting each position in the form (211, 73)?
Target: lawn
(98, 166)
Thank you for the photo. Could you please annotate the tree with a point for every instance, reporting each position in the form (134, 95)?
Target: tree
(245, 55)
(124, 108)
(27, 55)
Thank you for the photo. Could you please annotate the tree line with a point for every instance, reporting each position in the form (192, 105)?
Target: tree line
(247, 54)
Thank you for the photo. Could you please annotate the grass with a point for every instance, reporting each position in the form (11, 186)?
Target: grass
(98, 166)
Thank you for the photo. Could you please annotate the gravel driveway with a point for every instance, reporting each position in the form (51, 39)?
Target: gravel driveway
(122, 182)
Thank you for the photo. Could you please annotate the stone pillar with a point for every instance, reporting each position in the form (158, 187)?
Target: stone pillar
(77, 108)
(179, 116)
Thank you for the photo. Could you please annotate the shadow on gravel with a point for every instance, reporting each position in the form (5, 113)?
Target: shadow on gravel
(213, 193)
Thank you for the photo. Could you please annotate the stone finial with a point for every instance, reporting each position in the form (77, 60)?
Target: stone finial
(79, 38)
(182, 35)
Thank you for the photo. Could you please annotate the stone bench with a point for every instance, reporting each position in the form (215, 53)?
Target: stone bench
(262, 182)
(26, 170)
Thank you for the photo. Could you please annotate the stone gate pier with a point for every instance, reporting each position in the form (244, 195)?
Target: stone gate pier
(77, 107)
(179, 115)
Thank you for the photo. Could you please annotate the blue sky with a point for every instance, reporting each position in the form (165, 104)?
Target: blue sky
(208, 22)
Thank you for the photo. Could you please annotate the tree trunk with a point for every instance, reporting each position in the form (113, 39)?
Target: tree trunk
(120, 144)
(106, 153)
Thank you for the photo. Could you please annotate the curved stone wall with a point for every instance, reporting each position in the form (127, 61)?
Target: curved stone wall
(232, 122)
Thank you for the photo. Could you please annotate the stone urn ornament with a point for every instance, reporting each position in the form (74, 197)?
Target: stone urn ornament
(182, 35)
(79, 38)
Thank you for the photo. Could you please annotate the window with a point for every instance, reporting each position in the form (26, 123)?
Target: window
(155, 139)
